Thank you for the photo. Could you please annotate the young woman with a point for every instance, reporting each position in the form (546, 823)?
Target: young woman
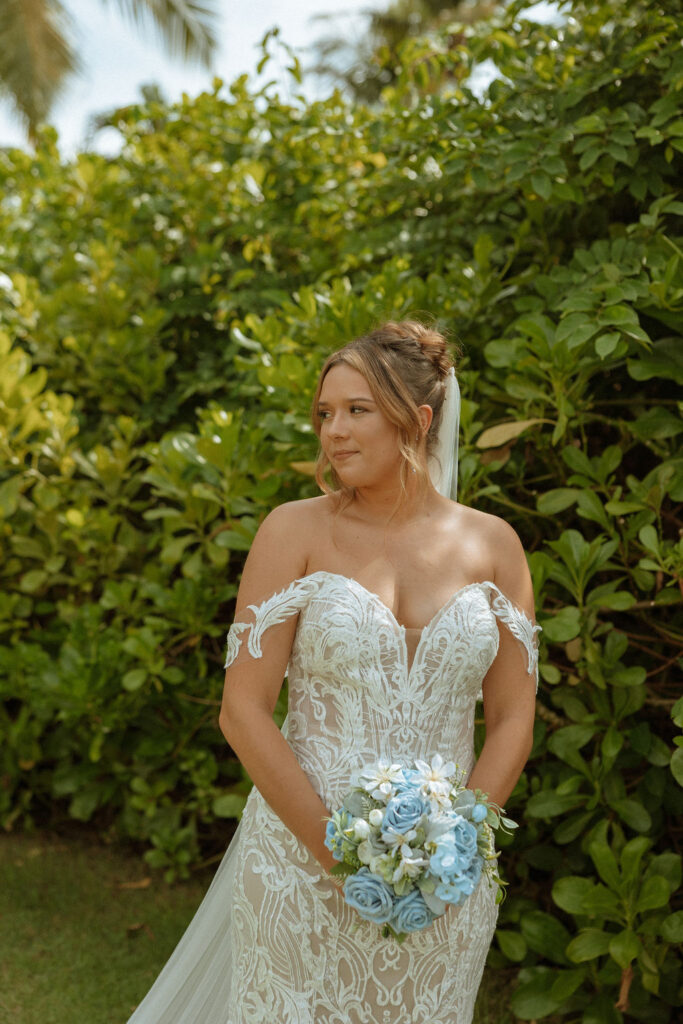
(391, 608)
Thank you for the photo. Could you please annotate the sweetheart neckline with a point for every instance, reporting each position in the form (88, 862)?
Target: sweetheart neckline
(371, 593)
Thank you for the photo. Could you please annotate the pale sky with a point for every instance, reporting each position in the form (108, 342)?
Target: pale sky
(118, 58)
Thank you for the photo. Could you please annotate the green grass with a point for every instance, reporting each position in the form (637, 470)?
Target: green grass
(79, 946)
(75, 946)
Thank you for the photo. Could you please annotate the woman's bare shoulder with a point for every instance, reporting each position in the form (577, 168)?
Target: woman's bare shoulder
(280, 550)
(296, 519)
(500, 547)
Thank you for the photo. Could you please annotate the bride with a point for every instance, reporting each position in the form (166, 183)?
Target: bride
(391, 608)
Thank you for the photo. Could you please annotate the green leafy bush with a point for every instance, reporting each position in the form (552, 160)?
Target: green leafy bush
(157, 354)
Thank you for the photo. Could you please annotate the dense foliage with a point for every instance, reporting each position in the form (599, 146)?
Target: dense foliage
(163, 317)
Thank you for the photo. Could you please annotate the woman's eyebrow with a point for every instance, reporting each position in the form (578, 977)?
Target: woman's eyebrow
(370, 401)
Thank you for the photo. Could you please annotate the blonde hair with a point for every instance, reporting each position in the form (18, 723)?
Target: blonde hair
(405, 364)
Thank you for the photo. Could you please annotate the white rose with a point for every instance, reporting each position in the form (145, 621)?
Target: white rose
(376, 816)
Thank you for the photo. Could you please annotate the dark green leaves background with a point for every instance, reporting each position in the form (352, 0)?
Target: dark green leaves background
(163, 316)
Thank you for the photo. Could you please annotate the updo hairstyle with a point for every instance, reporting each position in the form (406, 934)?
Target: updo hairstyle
(405, 364)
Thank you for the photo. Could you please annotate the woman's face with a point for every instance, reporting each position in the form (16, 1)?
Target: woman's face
(357, 438)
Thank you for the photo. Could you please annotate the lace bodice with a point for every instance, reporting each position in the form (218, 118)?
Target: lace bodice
(355, 693)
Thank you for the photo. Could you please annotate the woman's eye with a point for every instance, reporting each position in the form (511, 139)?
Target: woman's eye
(358, 408)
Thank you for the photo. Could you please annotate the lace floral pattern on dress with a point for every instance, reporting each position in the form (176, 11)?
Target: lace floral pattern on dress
(274, 939)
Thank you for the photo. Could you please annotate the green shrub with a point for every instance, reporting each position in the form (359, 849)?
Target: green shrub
(157, 354)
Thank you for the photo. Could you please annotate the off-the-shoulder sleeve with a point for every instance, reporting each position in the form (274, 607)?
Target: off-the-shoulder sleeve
(271, 612)
(519, 624)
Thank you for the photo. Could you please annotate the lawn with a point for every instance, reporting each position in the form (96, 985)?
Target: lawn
(85, 929)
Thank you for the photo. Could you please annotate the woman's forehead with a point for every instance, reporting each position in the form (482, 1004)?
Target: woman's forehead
(342, 381)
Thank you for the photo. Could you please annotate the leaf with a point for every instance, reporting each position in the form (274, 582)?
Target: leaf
(134, 679)
(672, 927)
(634, 814)
(566, 983)
(548, 804)
(306, 468)
(605, 344)
(624, 947)
(604, 859)
(631, 857)
(512, 944)
(647, 535)
(563, 626)
(569, 893)
(229, 805)
(557, 500)
(33, 580)
(654, 893)
(494, 437)
(9, 495)
(533, 999)
(665, 360)
(542, 185)
(545, 934)
(572, 827)
(565, 742)
(676, 765)
(589, 944)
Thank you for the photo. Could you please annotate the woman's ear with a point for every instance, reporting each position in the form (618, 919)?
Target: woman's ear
(426, 414)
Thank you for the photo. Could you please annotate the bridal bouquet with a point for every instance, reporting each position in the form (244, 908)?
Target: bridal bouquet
(412, 841)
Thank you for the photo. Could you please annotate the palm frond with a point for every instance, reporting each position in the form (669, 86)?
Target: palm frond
(36, 58)
(188, 28)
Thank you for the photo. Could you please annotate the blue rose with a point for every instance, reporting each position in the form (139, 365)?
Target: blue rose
(411, 913)
(455, 851)
(465, 838)
(411, 780)
(404, 811)
(370, 896)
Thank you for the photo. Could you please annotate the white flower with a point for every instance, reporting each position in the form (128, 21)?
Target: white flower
(361, 829)
(379, 779)
(437, 825)
(365, 852)
(410, 865)
(376, 816)
(398, 839)
(382, 865)
(435, 781)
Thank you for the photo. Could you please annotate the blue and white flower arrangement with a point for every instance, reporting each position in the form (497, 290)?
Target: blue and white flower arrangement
(412, 841)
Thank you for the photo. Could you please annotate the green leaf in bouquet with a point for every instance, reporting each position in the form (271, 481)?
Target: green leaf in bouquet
(342, 869)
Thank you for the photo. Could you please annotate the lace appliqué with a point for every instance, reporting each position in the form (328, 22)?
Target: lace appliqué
(520, 625)
(274, 610)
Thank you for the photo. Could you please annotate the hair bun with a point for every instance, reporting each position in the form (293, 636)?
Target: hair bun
(433, 345)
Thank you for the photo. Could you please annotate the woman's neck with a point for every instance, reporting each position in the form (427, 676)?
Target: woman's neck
(381, 505)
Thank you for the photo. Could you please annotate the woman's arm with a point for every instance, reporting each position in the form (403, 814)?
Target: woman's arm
(252, 685)
(509, 690)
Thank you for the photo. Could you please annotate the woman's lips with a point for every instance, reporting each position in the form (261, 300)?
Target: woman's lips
(341, 456)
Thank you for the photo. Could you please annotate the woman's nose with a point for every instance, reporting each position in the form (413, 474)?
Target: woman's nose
(338, 425)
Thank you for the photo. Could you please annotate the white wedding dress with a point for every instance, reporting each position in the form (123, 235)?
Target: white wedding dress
(273, 942)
